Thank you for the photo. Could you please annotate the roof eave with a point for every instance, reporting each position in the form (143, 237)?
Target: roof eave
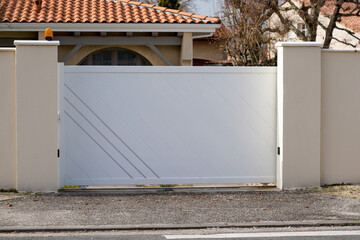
(111, 27)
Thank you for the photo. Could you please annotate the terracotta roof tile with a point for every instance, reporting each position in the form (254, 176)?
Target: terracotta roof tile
(94, 11)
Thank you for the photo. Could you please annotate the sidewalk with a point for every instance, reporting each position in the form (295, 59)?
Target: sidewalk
(81, 210)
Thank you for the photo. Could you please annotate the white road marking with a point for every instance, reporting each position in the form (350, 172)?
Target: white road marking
(268, 234)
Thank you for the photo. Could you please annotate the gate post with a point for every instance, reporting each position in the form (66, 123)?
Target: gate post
(299, 114)
(36, 115)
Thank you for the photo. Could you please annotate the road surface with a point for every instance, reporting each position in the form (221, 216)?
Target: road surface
(297, 235)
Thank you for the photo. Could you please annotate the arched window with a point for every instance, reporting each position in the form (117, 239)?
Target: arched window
(115, 56)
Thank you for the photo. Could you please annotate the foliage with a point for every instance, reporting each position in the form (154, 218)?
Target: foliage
(11, 190)
(173, 4)
(183, 5)
(72, 187)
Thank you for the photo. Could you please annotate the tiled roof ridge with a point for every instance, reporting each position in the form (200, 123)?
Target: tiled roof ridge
(164, 9)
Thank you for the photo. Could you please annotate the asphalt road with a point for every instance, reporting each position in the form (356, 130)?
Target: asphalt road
(301, 235)
(160, 238)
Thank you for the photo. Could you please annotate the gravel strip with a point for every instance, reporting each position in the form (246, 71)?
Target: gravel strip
(68, 209)
(9, 196)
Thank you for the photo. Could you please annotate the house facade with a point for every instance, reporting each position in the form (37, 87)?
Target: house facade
(112, 32)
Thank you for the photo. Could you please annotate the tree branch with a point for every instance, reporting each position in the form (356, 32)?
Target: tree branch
(344, 42)
(353, 34)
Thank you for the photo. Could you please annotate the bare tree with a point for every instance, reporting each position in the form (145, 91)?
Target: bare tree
(343, 8)
(154, 2)
(252, 26)
(245, 33)
(309, 11)
(185, 5)
(173, 4)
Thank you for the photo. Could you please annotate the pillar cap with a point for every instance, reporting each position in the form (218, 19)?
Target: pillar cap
(298, 44)
(36, 43)
(7, 49)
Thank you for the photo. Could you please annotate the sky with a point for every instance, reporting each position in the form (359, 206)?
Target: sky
(207, 7)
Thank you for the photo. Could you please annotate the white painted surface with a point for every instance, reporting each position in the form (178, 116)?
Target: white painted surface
(36, 43)
(298, 44)
(167, 125)
(268, 234)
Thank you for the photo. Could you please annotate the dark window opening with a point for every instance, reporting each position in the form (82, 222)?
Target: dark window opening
(115, 56)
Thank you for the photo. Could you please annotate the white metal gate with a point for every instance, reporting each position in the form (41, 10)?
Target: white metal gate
(167, 125)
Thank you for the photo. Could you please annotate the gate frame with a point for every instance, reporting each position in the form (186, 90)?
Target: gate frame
(152, 69)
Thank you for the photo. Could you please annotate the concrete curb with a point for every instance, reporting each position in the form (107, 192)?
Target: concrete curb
(180, 226)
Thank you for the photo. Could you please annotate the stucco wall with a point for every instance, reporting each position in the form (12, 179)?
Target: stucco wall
(172, 53)
(299, 111)
(7, 118)
(201, 50)
(340, 132)
(63, 51)
(208, 51)
(318, 114)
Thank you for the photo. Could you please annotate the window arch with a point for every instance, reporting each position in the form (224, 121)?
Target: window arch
(115, 56)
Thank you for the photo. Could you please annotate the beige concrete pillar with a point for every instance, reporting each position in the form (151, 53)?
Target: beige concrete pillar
(37, 106)
(187, 50)
(299, 112)
(7, 118)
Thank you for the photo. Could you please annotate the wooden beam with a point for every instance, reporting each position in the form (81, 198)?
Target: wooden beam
(68, 40)
(157, 51)
(71, 53)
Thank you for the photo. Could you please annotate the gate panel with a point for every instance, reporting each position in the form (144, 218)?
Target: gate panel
(167, 125)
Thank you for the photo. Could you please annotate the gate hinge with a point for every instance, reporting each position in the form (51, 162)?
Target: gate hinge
(58, 153)
(278, 150)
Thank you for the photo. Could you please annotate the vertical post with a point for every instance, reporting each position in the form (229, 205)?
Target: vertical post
(187, 50)
(37, 106)
(7, 118)
(41, 35)
(299, 114)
